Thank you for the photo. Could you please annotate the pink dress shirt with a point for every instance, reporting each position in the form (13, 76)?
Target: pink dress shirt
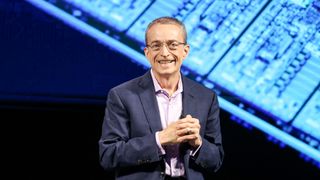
(170, 109)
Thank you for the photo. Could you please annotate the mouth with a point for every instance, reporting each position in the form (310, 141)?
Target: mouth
(166, 61)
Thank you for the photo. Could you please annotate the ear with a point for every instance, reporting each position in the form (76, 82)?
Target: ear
(186, 50)
(146, 51)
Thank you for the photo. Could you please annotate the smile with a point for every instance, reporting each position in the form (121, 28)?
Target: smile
(165, 61)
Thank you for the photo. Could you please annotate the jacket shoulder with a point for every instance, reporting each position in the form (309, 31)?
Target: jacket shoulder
(130, 85)
(198, 88)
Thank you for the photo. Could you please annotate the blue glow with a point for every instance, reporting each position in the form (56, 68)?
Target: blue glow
(268, 128)
(91, 31)
(265, 54)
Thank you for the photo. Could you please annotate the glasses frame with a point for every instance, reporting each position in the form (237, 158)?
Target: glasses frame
(166, 43)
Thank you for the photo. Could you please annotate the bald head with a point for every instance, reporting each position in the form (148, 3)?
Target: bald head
(167, 20)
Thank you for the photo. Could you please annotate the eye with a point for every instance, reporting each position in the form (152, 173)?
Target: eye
(156, 46)
(173, 45)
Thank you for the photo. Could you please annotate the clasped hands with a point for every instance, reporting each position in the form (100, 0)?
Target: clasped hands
(183, 130)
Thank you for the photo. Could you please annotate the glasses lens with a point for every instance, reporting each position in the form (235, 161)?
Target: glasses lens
(171, 45)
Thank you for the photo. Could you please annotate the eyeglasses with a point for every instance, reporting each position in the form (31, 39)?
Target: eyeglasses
(171, 45)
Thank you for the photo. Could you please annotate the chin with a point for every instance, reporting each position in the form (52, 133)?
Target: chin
(167, 72)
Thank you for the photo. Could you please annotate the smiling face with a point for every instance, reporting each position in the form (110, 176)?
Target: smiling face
(166, 60)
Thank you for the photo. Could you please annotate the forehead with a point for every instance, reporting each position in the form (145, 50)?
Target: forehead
(165, 32)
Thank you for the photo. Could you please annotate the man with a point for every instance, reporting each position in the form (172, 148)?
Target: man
(162, 125)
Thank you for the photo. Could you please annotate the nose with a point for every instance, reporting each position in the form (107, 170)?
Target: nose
(164, 52)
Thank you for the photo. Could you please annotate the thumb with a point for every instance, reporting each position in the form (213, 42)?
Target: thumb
(188, 116)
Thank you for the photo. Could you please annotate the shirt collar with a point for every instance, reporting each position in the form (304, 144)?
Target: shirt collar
(158, 88)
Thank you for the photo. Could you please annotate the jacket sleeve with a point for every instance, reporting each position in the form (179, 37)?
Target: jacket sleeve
(116, 147)
(211, 154)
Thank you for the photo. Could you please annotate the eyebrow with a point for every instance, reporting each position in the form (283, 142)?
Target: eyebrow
(157, 41)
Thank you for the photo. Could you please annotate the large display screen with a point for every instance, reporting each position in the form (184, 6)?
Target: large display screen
(262, 57)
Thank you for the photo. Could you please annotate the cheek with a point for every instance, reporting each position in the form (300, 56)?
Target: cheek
(154, 58)
(178, 58)
(150, 58)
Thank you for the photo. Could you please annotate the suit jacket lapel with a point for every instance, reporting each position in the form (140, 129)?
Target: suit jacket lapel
(149, 102)
(150, 105)
(189, 106)
(189, 103)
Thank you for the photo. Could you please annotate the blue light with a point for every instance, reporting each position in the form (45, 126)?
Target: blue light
(91, 31)
(270, 129)
(265, 53)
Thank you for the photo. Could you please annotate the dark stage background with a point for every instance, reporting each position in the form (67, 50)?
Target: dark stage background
(53, 85)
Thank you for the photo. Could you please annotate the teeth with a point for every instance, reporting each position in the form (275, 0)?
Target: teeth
(166, 61)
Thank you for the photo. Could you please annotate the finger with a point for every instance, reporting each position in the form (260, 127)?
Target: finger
(191, 120)
(185, 131)
(188, 131)
(188, 120)
(188, 125)
(180, 133)
(184, 125)
(188, 117)
(187, 138)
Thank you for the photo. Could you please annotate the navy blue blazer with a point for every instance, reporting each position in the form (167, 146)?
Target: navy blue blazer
(128, 146)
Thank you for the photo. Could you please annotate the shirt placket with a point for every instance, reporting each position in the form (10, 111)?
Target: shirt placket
(173, 149)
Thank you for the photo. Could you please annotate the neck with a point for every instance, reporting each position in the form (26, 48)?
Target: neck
(169, 83)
